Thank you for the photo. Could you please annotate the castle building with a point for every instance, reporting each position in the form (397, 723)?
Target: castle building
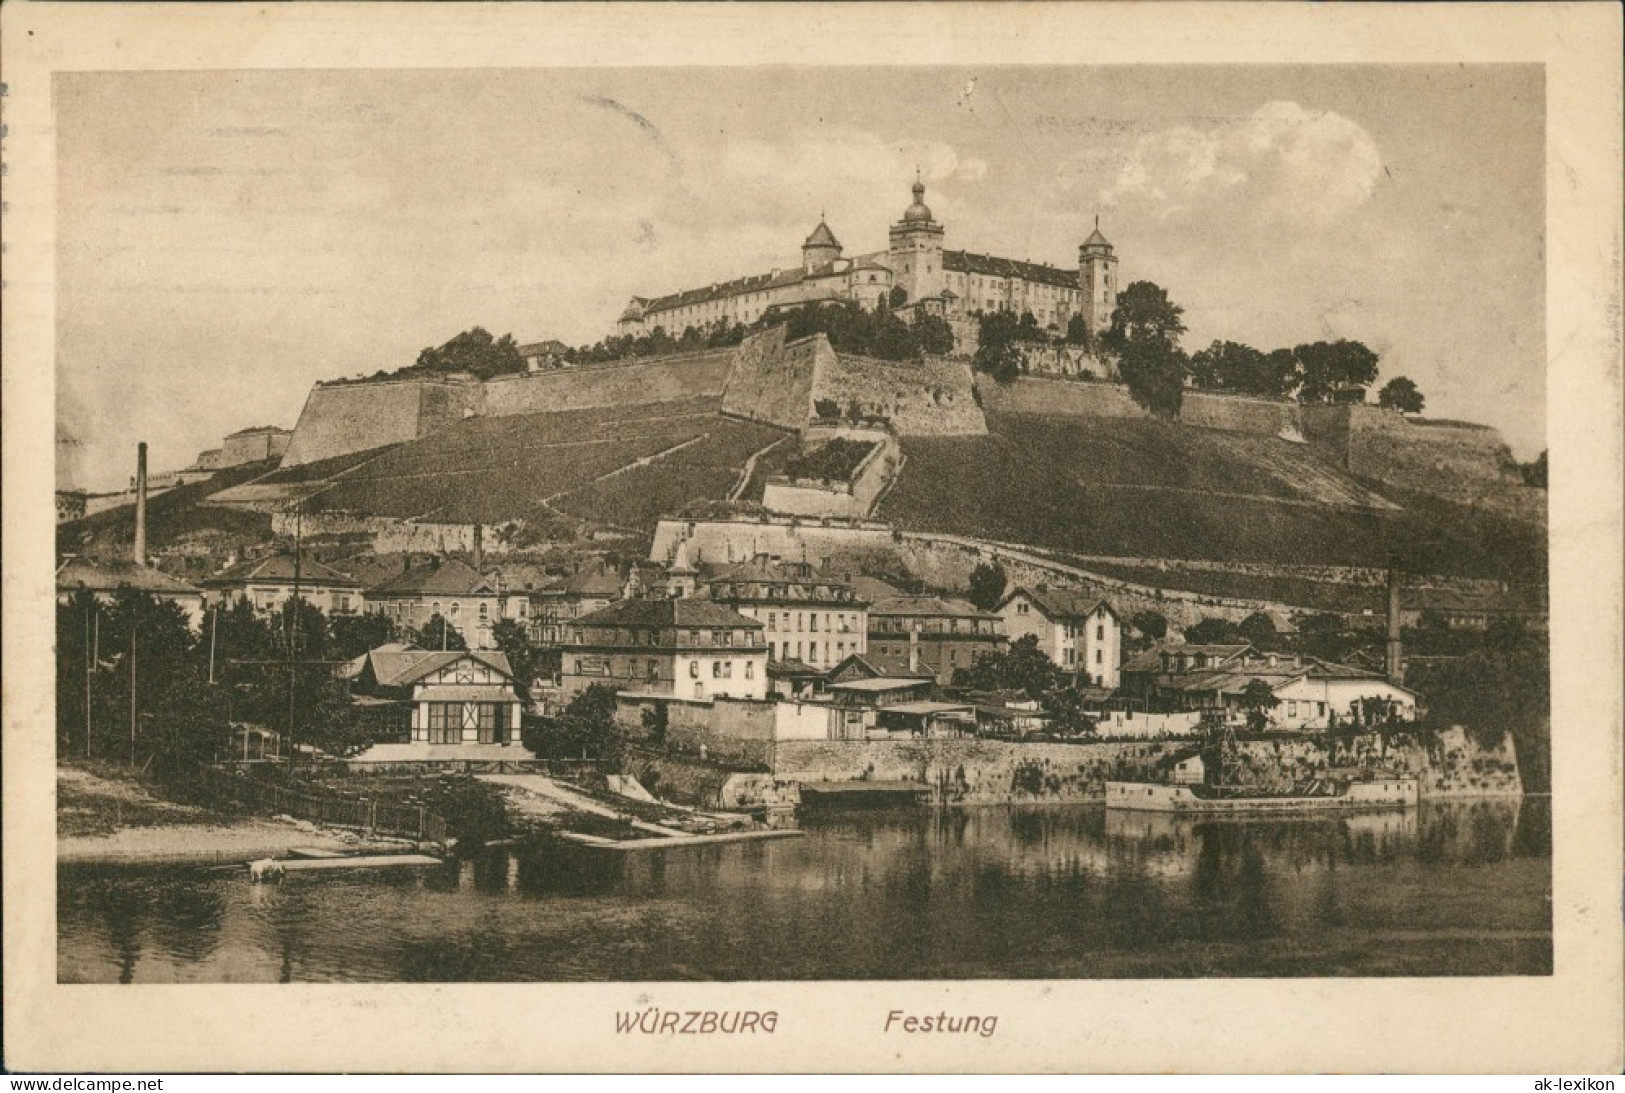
(951, 283)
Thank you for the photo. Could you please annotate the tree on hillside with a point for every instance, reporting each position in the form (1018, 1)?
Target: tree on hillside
(1211, 631)
(1258, 700)
(987, 582)
(585, 730)
(1401, 393)
(1231, 366)
(1495, 691)
(513, 641)
(1258, 630)
(474, 351)
(897, 297)
(1077, 332)
(1145, 334)
(997, 351)
(436, 633)
(1021, 667)
(934, 335)
(1325, 635)
(1151, 624)
(1329, 368)
(354, 635)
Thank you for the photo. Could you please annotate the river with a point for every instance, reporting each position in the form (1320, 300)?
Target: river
(1040, 892)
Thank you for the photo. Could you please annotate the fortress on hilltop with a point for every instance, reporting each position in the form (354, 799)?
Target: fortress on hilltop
(953, 284)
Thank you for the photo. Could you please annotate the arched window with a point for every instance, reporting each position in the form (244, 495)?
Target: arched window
(454, 609)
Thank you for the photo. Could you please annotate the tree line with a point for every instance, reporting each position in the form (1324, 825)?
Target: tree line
(1145, 334)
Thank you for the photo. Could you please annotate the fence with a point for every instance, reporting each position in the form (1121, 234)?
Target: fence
(363, 814)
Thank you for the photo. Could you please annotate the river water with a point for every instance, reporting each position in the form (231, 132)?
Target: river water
(1043, 892)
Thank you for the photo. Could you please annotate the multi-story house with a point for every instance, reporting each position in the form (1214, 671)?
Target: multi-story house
(687, 648)
(555, 606)
(807, 614)
(269, 582)
(931, 634)
(470, 603)
(1080, 634)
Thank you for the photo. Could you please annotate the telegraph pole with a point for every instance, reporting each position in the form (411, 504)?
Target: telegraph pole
(90, 608)
(293, 620)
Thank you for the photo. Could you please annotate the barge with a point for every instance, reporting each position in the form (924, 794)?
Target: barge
(1208, 800)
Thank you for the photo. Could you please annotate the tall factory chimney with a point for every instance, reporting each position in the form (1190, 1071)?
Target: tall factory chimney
(140, 551)
(479, 549)
(1394, 660)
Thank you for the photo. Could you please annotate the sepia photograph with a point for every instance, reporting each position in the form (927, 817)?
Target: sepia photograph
(907, 522)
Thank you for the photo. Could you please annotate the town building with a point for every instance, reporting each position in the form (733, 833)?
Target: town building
(268, 583)
(807, 614)
(1142, 673)
(931, 634)
(952, 283)
(1310, 693)
(554, 607)
(439, 697)
(540, 356)
(470, 603)
(692, 648)
(1080, 634)
(106, 579)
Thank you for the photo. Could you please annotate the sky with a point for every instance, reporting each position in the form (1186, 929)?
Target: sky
(226, 239)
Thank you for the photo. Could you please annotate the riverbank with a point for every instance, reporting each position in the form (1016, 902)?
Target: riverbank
(111, 815)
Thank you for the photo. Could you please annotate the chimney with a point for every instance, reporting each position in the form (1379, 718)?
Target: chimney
(1394, 660)
(141, 504)
(479, 549)
(914, 651)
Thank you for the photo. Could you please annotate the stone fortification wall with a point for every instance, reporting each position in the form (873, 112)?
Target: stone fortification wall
(351, 417)
(390, 535)
(772, 381)
(1066, 360)
(1470, 464)
(1202, 409)
(1241, 414)
(718, 542)
(855, 498)
(1034, 395)
(732, 732)
(931, 397)
(669, 379)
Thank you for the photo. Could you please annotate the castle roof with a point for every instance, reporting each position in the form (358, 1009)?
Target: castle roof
(959, 261)
(822, 237)
(919, 212)
(1096, 239)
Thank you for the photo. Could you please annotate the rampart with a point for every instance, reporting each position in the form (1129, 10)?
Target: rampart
(623, 383)
(772, 381)
(855, 497)
(850, 543)
(930, 397)
(340, 418)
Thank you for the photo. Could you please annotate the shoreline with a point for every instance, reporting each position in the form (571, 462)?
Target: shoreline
(236, 842)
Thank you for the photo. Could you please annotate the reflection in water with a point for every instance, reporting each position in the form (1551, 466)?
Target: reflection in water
(1073, 891)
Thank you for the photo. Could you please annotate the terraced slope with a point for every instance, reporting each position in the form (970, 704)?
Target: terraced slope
(1149, 489)
(620, 465)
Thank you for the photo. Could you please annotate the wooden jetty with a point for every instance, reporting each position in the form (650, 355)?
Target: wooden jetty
(669, 842)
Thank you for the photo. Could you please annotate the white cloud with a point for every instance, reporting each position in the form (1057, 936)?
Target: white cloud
(1282, 163)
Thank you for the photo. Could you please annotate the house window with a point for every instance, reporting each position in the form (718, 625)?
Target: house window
(812, 621)
(694, 669)
(1021, 608)
(750, 670)
(699, 690)
(485, 612)
(1099, 658)
(772, 620)
(455, 608)
(716, 669)
(1100, 633)
(523, 604)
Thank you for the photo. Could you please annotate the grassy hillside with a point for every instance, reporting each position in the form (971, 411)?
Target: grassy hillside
(1146, 488)
(621, 465)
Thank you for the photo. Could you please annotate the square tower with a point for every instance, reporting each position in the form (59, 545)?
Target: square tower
(915, 251)
(1097, 280)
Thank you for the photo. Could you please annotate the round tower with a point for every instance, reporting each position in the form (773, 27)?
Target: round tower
(1097, 281)
(915, 250)
(821, 247)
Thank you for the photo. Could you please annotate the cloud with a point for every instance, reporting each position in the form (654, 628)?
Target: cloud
(1282, 163)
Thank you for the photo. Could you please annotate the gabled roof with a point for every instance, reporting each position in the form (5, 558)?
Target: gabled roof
(1151, 659)
(77, 573)
(790, 668)
(396, 667)
(1096, 239)
(279, 567)
(452, 577)
(1059, 603)
(550, 346)
(683, 613)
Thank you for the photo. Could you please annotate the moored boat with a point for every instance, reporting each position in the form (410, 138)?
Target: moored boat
(1200, 799)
